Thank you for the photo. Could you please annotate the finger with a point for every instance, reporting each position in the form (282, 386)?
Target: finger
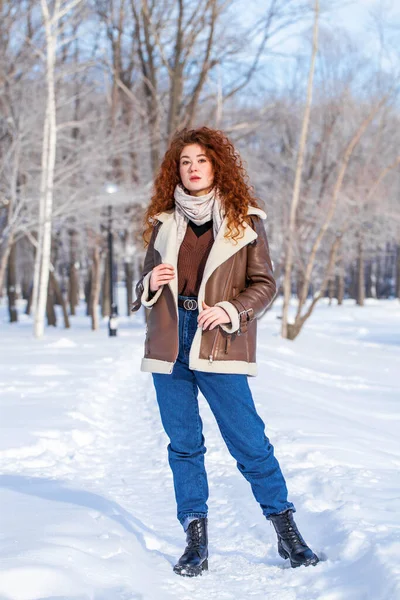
(208, 311)
(160, 283)
(217, 322)
(163, 275)
(204, 315)
(209, 321)
(205, 306)
(163, 269)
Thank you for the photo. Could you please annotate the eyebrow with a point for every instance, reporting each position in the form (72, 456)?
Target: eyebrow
(196, 156)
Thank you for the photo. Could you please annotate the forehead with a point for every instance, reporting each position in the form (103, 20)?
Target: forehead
(192, 150)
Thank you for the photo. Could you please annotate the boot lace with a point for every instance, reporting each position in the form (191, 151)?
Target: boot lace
(195, 531)
(291, 533)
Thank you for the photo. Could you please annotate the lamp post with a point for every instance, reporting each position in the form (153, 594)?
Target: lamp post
(111, 188)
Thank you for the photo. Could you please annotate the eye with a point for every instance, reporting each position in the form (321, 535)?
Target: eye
(184, 162)
(203, 160)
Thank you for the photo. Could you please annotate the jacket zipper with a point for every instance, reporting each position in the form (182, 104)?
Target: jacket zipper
(229, 335)
(211, 357)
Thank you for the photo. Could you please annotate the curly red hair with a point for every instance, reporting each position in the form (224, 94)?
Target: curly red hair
(230, 178)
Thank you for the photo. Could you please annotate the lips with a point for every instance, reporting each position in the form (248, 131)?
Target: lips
(194, 178)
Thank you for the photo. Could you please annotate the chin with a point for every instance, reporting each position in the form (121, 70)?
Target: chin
(198, 188)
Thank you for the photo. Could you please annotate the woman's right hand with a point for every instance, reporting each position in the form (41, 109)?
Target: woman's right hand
(160, 275)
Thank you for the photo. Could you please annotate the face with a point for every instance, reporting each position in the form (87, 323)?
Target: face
(196, 170)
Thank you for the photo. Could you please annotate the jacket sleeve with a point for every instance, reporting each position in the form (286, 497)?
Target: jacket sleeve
(261, 287)
(143, 294)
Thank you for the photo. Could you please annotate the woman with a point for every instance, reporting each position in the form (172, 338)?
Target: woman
(207, 276)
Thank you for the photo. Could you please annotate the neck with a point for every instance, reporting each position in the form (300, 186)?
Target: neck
(200, 192)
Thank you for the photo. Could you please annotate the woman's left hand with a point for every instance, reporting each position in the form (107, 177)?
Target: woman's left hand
(212, 316)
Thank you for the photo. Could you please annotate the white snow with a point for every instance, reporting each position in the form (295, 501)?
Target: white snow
(87, 510)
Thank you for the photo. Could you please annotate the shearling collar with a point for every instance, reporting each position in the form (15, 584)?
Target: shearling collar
(168, 214)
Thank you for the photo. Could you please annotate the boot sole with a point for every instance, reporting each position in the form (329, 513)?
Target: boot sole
(191, 571)
(294, 564)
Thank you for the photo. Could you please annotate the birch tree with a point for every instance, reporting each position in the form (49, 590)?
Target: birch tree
(17, 30)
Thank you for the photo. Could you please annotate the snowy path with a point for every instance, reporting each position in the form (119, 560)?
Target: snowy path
(86, 500)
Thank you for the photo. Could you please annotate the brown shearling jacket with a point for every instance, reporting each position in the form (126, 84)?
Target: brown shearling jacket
(237, 276)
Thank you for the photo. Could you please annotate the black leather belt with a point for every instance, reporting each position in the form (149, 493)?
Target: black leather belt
(188, 303)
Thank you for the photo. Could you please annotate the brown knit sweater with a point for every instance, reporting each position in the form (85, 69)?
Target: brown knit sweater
(192, 257)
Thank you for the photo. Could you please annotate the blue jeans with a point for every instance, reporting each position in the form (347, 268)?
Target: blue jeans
(231, 402)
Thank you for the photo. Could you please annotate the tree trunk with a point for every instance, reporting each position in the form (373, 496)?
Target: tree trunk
(60, 298)
(29, 303)
(369, 280)
(388, 271)
(50, 311)
(350, 282)
(3, 265)
(287, 283)
(360, 274)
(52, 25)
(129, 287)
(378, 271)
(47, 181)
(105, 290)
(73, 289)
(293, 329)
(25, 287)
(374, 274)
(340, 285)
(11, 285)
(95, 288)
(8, 241)
(331, 290)
(88, 293)
(299, 283)
(73, 279)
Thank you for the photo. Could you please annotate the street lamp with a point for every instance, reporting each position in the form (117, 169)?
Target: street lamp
(111, 188)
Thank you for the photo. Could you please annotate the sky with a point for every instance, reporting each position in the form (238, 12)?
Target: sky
(370, 24)
(355, 15)
(352, 15)
(369, 21)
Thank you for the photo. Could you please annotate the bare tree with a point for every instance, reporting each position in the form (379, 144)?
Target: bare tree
(287, 285)
(52, 24)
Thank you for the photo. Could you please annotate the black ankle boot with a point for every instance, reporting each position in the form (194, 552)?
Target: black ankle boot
(195, 558)
(290, 542)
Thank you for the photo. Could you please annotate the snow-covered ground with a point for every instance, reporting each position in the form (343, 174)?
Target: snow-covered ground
(87, 509)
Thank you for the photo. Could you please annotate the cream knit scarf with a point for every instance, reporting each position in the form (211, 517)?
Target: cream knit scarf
(198, 209)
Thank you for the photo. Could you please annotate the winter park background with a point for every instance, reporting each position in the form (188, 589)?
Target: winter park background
(90, 93)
